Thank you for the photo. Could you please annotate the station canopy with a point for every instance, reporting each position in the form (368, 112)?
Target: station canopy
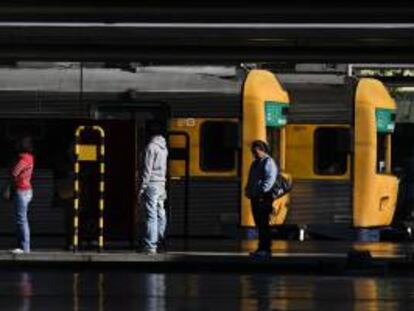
(294, 31)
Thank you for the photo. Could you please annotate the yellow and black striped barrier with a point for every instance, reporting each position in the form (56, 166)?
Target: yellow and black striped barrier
(92, 153)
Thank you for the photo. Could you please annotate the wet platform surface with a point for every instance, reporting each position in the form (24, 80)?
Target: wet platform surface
(49, 289)
(211, 275)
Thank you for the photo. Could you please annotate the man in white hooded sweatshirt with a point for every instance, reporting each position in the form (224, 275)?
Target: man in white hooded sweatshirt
(152, 190)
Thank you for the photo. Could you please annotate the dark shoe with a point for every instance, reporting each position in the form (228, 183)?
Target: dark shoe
(162, 247)
(69, 248)
(261, 255)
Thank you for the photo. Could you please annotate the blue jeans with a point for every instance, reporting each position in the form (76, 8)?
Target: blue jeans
(155, 217)
(21, 206)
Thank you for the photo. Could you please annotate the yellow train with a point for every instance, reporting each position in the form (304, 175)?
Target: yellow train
(335, 143)
(332, 140)
(220, 155)
(339, 154)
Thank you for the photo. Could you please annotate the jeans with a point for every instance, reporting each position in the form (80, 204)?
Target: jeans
(154, 212)
(262, 209)
(21, 206)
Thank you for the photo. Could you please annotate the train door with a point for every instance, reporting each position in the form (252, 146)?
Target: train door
(276, 119)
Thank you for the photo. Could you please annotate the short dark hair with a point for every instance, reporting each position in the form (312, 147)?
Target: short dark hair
(25, 144)
(262, 145)
(155, 127)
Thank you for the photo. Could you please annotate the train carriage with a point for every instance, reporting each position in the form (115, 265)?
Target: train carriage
(333, 141)
(339, 154)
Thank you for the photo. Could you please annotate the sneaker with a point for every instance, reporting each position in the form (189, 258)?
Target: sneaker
(149, 252)
(17, 251)
(263, 255)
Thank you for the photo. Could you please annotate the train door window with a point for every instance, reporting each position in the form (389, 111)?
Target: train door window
(331, 148)
(218, 145)
(381, 152)
(273, 139)
(385, 121)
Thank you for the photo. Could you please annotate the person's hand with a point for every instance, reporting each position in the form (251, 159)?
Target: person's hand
(140, 194)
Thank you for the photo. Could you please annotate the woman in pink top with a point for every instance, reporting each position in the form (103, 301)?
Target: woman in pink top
(22, 174)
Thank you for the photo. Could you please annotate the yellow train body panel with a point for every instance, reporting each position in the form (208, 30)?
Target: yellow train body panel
(375, 194)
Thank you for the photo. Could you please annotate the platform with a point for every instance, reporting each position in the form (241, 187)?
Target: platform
(232, 256)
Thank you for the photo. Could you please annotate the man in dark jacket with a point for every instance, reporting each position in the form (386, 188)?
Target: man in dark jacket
(262, 176)
(152, 190)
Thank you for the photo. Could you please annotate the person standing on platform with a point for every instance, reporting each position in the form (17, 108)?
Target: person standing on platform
(152, 190)
(262, 176)
(21, 174)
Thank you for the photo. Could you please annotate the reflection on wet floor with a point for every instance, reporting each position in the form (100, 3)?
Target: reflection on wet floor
(128, 290)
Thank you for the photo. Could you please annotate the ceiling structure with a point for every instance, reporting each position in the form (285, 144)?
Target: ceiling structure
(296, 32)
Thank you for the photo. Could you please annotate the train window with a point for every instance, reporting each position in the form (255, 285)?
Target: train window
(218, 145)
(381, 152)
(273, 139)
(331, 148)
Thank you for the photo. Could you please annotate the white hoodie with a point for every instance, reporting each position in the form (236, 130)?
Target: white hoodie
(154, 168)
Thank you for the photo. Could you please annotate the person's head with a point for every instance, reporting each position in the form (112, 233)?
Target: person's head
(155, 128)
(259, 149)
(25, 144)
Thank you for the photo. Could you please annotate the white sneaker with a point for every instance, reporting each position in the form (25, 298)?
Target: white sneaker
(150, 252)
(17, 251)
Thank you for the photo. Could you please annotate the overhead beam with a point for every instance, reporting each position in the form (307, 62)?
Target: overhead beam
(207, 42)
(206, 11)
(216, 55)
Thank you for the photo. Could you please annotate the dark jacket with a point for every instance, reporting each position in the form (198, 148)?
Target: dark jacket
(262, 176)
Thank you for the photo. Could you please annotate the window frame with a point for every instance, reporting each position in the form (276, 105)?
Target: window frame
(387, 139)
(271, 132)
